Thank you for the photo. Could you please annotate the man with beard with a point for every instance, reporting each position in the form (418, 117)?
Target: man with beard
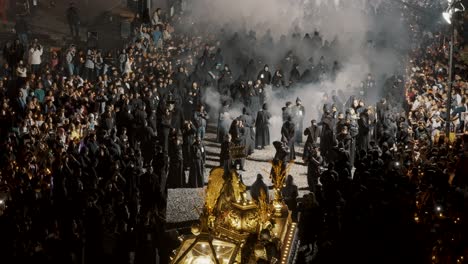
(265, 75)
(299, 113)
(262, 135)
(197, 168)
(288, 135)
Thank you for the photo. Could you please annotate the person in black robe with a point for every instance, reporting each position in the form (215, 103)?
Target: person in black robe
(362, 141)
(312, 132)
(313, 160)
(262, 133)
(188, 134)
(248, 131)
(257, 187)
(197, 168)
(165, 129)
(264, 75)
(239, 138)
(288, 135)
(250, 70)
(176, 166)
(278, 79)
(298, 113)
(327, 136)
(147, 137)
(290, 193)
(225, 159)
(294, 75)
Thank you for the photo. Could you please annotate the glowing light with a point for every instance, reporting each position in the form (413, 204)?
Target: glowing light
(202, 260)
(438, 208)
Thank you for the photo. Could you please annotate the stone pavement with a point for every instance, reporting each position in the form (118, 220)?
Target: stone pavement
(184, 204)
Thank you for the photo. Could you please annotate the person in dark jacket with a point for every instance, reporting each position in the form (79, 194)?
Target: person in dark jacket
(264, 75)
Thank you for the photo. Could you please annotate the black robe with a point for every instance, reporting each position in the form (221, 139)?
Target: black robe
(288, 135)
(197, 168)
(249, 133)
(176, 167)
(262, 133)
(188, 135)
(362, 141)
(327, 137)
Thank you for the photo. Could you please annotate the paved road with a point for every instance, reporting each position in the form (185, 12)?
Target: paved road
(184, 204)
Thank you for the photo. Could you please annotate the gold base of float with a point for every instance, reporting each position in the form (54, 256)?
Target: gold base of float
(234, 229)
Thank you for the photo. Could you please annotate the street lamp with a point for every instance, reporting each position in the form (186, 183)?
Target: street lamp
(454, 6)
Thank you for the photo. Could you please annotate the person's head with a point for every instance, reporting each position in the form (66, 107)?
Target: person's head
(298, 101)
(259, 177)
(289, 180)
(313, 122)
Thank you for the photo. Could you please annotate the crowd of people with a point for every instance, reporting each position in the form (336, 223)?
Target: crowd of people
(91, 140)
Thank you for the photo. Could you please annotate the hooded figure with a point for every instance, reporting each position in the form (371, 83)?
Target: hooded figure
(288, 135)
(257, 187)
(197, 169)
(262, 136)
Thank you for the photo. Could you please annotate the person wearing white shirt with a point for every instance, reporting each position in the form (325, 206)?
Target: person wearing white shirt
(35, 60)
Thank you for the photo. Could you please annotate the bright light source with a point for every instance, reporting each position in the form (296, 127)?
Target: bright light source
(447, 16)
(438, 208)
(1, 201)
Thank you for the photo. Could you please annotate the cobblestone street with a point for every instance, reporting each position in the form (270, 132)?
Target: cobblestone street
(184, 204)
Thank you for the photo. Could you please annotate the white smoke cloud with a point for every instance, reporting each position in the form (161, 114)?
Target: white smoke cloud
(353, 23)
